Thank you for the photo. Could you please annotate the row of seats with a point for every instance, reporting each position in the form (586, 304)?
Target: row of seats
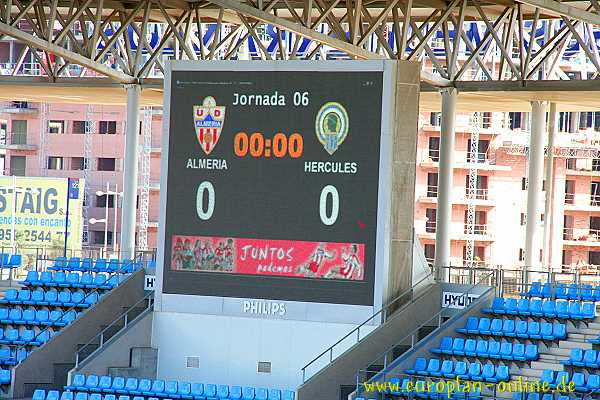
(592, 384)
(547, 396)
(99, 265)
(10, 260)
(64, 298)
(72, 280)
(12, 357)
(172, 389)
(549, 308)
(487, 349)
(25, 337)
(562, 291)
(583, 358)
(4, 376)
(514, 328)
(41, 394)
(451, 369)
(30, 316)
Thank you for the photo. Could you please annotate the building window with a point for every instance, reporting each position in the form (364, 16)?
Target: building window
(56, 127)
(478, 255)
(595, 194)
(596, 164)
(515, 120)
(480, 223)
(19, 131)
(486, 122)
(481, 187)
(432, 184)
(98, 237)
(78, 163)
(572, 163)
(55, 163)
(594, 257)
(106, 164)
(482, 151)
(521, 255)
(435, 119)
(17, 165)
(523, 183)
(569, 192)
(430, 215)
(434, 148)
(108, 127)
(79, 127)
(429, 250)
(523, 219)
(101, 201)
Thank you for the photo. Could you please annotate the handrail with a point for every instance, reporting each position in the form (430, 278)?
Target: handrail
(382, 311)
(148, 297)
(438, 316)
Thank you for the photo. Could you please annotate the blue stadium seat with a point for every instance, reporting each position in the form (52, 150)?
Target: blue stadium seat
(474, 372)
(533, 330)
(9, 296)
(589, 358)
(508, 328)
(561, 377)
(24, 295)
(42, 317)
(158, 388)
(497, 306)
(482, 348)
(60, 279)
(81, 396)
(484, 326)
(16, 314)
(523, 307)
(4, 376)
(99, 281)
(461, 369)
(86, 264)
(575, 310)
(26, 336)
(488, 373)
(69, 317)
(262, 394)
(274, 394)
(560, 291)
(458, 346)
(37, 297)
(144, 385)
(53, 395)
(510, 305)
(597, 293)
(118, 384)
(547, 291)
(222, 391)
(100, 265)
(198, 391)
(210, 390)
(535, 308)
(76, 300)
(587, 292)
(562, 309)
(420, 365)
(573, 292)
(114, 265)
(90, 299)
(87, 280)
(520, 330)
(77, 383)
(171, 389)
(98, 396)
(4, 315)
(506, 351)
(73, 280)
(447, 368)
(531, 352)
(124, 397)
(10, 336)
(445, 346)
(68, 396)
(131, 385)
(493, 349)
(28, 317)
(549, 308)
(74, 264)
(433, 368)
(105, 383)
(31, 279)
(112, 282)
(535, 290)
(39, 394)
(588, 311)
(546, 331)
(470, 348)
(576, 356)
(593, 383)
(288, 395)
(559, 331)
(46, 279)
(579, 380)
(547, 376)
(185, 389)
(496, 327)
(470, 327)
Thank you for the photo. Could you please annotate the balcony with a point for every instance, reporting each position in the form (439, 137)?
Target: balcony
(583, 167)
(483, 160)
(479, 197)
(581, 237)
(18, 107)
(480, 233)
(17, 141)
(582, 204)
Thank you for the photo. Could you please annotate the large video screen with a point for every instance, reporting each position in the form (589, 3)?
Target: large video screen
(272, 185)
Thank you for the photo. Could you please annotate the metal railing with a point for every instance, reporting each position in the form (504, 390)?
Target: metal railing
(480, 158)
(478, 193)
(432, 191)
(595, 200)
(569, 198)
(380, 317)
(430, 226)
(387, 357)
(581, 235)
(478, 229)
(109, 332)
(15, 138)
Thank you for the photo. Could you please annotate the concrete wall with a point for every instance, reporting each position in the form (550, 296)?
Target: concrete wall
(117, 352)
(38, 370)
(342, 371)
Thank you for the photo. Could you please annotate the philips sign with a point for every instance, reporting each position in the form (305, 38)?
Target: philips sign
(257, 307)
(457, 300)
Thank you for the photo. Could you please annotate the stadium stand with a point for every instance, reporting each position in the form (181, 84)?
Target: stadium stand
(546, 336)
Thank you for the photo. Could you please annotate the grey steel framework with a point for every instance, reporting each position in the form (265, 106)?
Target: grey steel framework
(94, 34)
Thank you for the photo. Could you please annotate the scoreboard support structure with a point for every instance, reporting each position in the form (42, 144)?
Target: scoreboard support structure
(287, 214)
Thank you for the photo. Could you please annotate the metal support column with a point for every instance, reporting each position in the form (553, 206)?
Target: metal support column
(548, 206)
(446, 170)
(130, 173)
(534, 186)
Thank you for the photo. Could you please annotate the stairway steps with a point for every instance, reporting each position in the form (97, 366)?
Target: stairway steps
(547, 365)
(557, 351)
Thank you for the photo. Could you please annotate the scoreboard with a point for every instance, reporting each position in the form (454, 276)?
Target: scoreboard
(273, 181)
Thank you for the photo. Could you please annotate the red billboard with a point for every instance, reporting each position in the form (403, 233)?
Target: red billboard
(292, 258)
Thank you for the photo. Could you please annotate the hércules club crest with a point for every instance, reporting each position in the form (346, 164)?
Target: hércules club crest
(208, 121)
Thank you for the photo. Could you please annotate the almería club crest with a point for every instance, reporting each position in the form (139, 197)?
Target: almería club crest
(331, 126)
(208, 121)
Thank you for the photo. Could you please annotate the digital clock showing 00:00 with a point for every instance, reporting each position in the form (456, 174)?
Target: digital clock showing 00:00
(259, 146)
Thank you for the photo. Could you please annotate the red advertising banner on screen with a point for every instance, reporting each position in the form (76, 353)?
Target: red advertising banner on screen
(292, 258)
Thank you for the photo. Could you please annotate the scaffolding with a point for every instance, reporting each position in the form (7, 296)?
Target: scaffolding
(145, 178)
(472, 190)
(42, 162)
(87, 157)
